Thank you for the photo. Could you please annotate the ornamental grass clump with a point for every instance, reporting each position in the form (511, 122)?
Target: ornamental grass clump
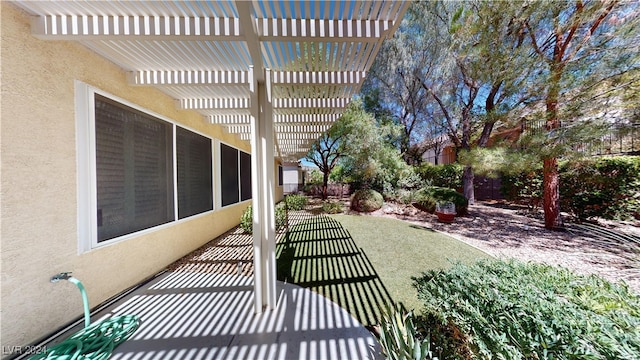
(515, 310)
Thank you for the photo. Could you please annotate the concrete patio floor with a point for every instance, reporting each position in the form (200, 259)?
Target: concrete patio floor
(210, 316)
(202, 308)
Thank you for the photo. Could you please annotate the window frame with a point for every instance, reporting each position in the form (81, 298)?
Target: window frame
(212, 169)
(87, 202)
(218, 178)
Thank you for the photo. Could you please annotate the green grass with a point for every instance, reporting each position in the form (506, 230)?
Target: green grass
(399, 251)
(364, 262)
(320, 255)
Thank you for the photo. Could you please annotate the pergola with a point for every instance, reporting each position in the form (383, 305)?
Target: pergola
(277, 73)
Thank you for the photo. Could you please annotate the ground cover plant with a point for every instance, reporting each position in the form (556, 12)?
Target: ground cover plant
(514, 310)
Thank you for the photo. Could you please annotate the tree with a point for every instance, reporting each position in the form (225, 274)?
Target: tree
(580, 44)
(370, 157)
(361, 147)
(467, 58)
(326, 151)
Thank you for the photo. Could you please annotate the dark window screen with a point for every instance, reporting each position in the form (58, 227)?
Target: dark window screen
(229, 175)
(195, 182)
(280, 174)
(134, 171)
(245, 176)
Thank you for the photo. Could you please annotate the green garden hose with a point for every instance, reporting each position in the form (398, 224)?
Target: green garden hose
(85, 300)
(94, 342)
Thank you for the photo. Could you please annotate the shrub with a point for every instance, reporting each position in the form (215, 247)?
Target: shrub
(281, 217)
(246, 220)
(295, 201)
(366, 200)
(515, 310)
(423, 200)
(440, 194)
(524, 188)
(449, 175)
(604, 187)
(332, 207)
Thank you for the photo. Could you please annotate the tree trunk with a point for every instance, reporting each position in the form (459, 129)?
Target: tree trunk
(551, 180)
(551, 199)
(325, 181)
(467, 184)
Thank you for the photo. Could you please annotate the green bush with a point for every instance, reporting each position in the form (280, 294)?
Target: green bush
(604, 187)
(366, 200)
(524, 188)
(515, 310)
(332, 207)
(424, 200)
(449, 175)
(296, 201)
(246, 220)
(437, 194)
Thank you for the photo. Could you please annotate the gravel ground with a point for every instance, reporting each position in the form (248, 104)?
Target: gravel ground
(506, 231)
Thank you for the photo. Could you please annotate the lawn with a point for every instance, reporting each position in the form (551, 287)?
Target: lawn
(399, 251)
(361, 262)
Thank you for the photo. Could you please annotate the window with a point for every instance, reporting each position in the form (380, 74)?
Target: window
(134, 172)
(245, 176)
(235, 175)
(229, 175)
(195, 178)
(280, 175)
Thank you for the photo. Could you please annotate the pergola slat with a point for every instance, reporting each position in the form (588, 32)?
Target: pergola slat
(188, 77)
(288, 29)
(109, 27)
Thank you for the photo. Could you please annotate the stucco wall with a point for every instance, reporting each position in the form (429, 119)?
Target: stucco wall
(38, 205)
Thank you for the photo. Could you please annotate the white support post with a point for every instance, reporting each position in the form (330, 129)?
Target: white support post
(255, 191)
(262, 185)
(268, 186)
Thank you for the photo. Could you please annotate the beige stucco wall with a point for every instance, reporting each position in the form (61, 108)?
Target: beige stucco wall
(38, 186)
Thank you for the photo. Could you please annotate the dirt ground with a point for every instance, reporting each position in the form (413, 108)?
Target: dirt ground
(507, 231)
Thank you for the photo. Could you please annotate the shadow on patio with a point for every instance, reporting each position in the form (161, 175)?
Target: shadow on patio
(202, 307)
(210, 316)
(319, 254)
